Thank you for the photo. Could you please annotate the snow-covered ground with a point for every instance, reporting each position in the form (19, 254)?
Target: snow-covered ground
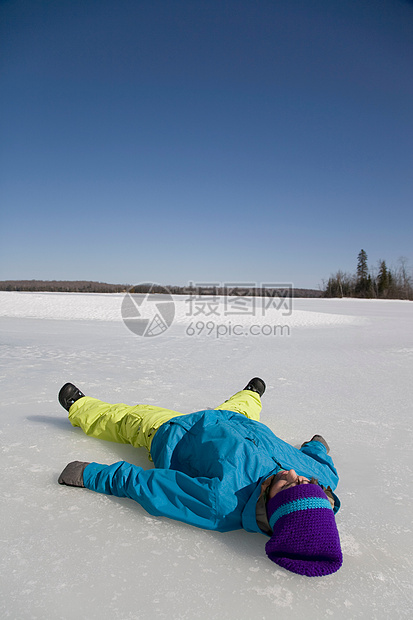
(342, 368)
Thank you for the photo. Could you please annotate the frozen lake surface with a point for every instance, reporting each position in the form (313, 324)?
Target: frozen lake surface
(342, 368)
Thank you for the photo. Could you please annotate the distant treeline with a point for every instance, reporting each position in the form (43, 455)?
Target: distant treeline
(230, 291)
(62, 286)
(80, 286)
(380, 282)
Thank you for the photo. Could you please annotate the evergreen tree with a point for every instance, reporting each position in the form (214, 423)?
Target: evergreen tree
(363, 286)
(383, 280)
(362, 269)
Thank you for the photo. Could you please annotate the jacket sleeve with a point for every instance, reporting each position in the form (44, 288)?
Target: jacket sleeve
(161, 492)
(318, 452)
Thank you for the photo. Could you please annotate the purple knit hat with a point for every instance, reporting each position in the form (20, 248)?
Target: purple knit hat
(305, 538)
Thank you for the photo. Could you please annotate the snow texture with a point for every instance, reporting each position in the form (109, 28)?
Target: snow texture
(343, 369)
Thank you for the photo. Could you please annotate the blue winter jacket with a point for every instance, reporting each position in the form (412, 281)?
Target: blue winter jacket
(209, 467)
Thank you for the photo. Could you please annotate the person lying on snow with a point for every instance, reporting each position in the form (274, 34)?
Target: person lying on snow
(219, 469)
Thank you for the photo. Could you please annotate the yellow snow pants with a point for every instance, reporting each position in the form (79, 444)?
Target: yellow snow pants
(138, 424)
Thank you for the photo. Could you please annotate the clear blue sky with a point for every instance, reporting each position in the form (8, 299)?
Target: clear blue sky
(204, 140)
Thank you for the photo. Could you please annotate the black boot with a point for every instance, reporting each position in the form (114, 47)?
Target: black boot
(256, 385)
(68, 395)
(319, 438)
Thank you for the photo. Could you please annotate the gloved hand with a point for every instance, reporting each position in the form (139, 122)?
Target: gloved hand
(72, 475)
